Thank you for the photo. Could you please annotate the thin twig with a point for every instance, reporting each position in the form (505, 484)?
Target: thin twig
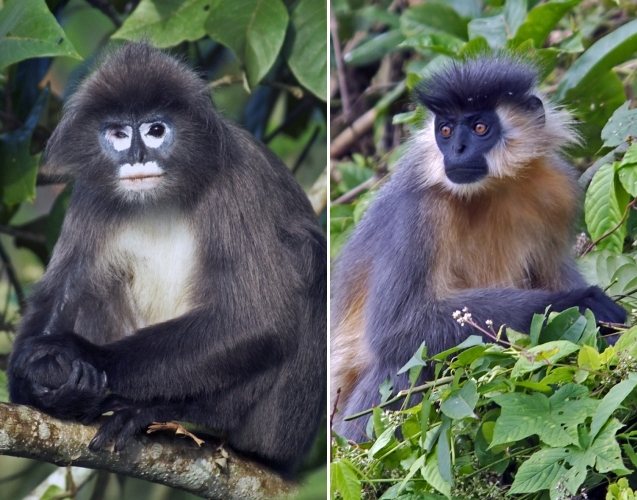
(403, 394)
(338, 395)
(340, 68)
(295, 90)
(350, 195)
(608, 233)
(225, 80)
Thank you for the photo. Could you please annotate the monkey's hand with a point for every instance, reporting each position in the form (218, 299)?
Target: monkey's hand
(58, 377)
(126, 422)
(605, 309)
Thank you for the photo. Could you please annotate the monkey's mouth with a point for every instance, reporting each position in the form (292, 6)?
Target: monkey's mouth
(140, 177)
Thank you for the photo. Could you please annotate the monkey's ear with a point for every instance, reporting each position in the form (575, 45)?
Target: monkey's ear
(534, 105)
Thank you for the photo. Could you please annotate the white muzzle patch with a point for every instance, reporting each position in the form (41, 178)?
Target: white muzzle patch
(140, 176)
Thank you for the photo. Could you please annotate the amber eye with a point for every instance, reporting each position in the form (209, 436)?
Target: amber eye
(445, 130)
(480, 128)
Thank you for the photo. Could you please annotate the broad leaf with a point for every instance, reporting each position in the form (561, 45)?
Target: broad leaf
(253, 29)
(433, 17)
(307, 60)
(344, 478)
(492, 29)
(604, 207)
(461, 402)
(166, 22)
(554, 420)
(611, 402)
(28, 29)
(542, 19)
(543, 355)
(540, 470)
(622, 124)
(600, 57)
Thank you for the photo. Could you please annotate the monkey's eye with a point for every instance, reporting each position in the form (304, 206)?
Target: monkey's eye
(119, 136)
(480, 128)
(154, 133)
(157, 130)
(446, 130)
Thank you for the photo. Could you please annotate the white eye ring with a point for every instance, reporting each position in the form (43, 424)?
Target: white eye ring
(153, 141)
(119, 143)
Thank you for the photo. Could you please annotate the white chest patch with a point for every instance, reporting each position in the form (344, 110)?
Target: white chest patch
(158, 254)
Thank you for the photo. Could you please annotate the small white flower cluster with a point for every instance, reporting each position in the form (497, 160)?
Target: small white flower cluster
(462, 318)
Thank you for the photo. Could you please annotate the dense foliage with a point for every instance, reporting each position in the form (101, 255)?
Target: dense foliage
(549, 414)
(267, 67)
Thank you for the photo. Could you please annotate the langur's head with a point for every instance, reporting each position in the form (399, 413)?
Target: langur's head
(139, 130)
(490, 122)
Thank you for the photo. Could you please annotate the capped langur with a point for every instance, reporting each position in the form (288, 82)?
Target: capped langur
(189, 280)
(479, 213)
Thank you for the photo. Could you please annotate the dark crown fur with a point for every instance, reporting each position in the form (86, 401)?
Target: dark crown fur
(478, 84)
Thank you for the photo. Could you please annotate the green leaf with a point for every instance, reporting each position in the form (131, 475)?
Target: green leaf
(438, 42)
(588, 358)
(374, 49)
(604, 209)
(19, 169)
(383, 440)
(418, 359)
(443, 451)
(536, 327)
(593, 103)
(28, 29)
(432, 17)
(474, 47)
(554, 420)
(344, 478)
(470, 341)
(514, 14)
(253, 29)
(542, 19)
(604, 54)
(308, 25)
(461, 402)
(492, 29)
(431, 473)
(540, 470)
(51, 492)
(622, 124)
(543, 355)
(603, 454)
(611, 402)
(566, 325)
(166, 22)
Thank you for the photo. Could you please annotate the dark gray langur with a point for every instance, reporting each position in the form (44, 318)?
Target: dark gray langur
(478, 214)
(189, 281)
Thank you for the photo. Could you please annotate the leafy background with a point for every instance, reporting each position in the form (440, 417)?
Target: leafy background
(267, 67)
(549, 413)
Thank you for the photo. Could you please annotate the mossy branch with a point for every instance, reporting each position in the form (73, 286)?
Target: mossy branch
(176, 462)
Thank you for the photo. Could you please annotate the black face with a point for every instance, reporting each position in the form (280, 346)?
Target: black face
(464, 140)
(140, 149)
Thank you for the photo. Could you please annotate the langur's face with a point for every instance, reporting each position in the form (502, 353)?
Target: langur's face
(139, 147)
(464, 140)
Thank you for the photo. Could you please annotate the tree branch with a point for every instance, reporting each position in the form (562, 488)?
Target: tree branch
(175, 462)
